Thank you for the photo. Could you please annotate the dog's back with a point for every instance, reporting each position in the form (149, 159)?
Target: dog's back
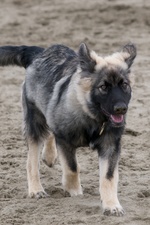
(56, 55)
(53, 64)
(47, 66)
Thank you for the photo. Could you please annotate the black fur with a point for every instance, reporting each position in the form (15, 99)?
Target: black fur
(18, 55)
(86, 62)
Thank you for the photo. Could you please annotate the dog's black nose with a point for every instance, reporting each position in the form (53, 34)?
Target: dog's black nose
(120, 108)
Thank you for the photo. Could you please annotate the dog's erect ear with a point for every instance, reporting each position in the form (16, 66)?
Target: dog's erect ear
(86, 62)
(131, 50)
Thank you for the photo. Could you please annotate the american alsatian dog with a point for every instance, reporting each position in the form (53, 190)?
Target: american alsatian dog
(71, 100)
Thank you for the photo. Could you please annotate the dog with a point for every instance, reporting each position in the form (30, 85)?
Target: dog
(72, 99)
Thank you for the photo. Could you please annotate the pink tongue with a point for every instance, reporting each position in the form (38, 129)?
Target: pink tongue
(117, 118)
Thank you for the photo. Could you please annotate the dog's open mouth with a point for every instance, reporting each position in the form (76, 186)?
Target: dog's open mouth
(116, 120)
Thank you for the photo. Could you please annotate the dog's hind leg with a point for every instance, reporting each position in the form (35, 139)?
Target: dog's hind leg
(70, 168)
(49, 153)
(35, 129)
(35, 188)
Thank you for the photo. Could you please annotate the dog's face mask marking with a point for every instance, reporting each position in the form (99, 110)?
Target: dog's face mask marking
(111, 95)
(110, 89)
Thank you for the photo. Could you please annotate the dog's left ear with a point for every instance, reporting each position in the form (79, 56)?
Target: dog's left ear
(130, 49)
(86, 62)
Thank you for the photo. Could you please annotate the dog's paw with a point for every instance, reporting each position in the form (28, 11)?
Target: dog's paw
(74, 192)
(49, 159)
(38, 195)
(115, 210)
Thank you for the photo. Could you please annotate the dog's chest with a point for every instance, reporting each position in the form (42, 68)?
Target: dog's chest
(84, 135)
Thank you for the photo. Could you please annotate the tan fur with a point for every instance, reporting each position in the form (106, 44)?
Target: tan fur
(85, 84)
(83, 94)
(70, 180)
(108, 188)
(33, 176)
(116, 59)
(79, 93)
(49, 153)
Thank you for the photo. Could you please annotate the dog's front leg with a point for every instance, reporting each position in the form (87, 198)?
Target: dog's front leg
(108, 186)
(70, 168)
(34, 185)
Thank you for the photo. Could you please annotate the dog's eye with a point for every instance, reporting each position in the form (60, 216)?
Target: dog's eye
(124, 85)
(103, 87)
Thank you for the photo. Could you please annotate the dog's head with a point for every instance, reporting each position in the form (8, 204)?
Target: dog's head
(105, 82)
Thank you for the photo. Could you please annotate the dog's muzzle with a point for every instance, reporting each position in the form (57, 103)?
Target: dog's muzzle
(120, 108)
(117, 119)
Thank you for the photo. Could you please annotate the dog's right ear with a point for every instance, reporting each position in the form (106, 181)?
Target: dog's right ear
(86, 62)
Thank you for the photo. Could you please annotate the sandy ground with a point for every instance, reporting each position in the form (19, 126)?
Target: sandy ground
(104, 26)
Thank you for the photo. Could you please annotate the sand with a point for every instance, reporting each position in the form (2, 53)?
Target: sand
(104, 26)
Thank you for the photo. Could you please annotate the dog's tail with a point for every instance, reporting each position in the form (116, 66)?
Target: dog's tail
(18, 55)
